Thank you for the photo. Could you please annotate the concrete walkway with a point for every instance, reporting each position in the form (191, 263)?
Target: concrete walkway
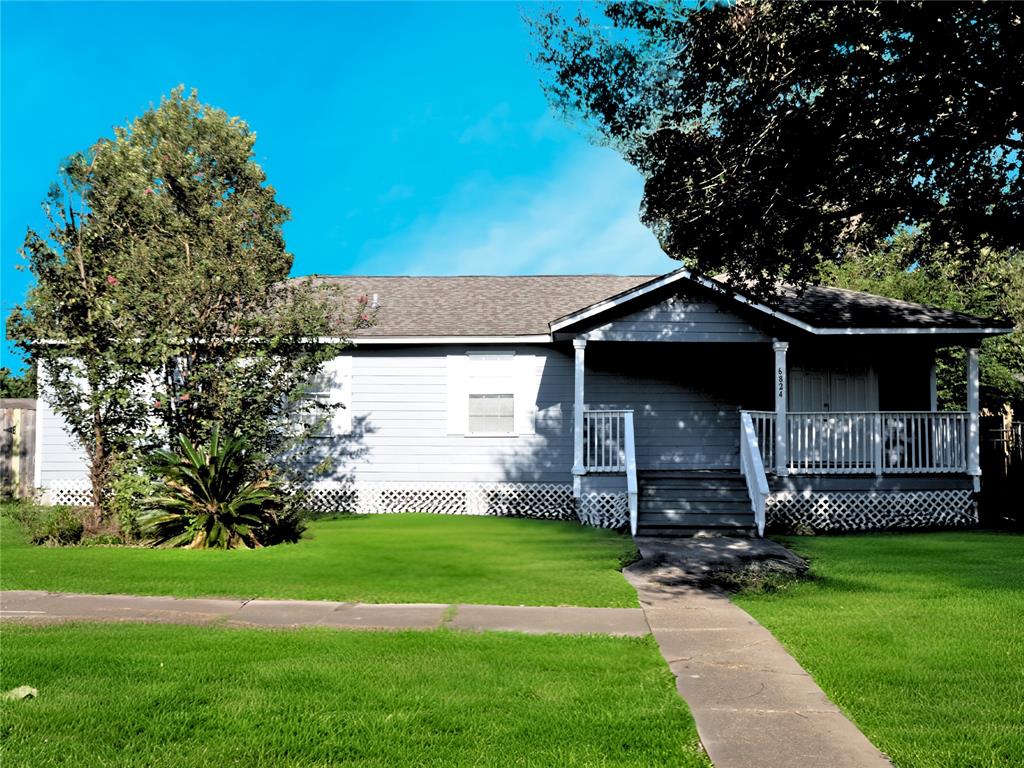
(50, 607)
(753, 704)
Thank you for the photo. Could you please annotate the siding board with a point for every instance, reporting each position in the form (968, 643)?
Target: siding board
(682, 317)
(400, 412)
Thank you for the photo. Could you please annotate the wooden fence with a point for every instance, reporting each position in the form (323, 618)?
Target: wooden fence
(1002, 472)
(17, 447)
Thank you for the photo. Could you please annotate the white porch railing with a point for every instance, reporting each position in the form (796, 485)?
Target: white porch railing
(609, 446)
(866, 442)
(764, 428)
(604, 441)
(752, 467)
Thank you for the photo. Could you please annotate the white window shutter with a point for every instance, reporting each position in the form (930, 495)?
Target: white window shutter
(529, 369)
(458, 395)
(339, 377)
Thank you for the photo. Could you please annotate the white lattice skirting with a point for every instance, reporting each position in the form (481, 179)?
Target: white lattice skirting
(548, 501)
(604, 510)
(68, 493)
(831, 511)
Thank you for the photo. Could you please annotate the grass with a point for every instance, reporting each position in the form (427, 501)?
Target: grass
(918, 638)
(377, 559)
(145, 695)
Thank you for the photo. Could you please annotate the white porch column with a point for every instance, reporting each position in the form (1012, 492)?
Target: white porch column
(973, 426)
(933, 387)
(781, 397)
(578, 470)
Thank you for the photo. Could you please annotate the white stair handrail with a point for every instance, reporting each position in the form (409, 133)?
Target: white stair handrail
(752, 467)
(631, 484)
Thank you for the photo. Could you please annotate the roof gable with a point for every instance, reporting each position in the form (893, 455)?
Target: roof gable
(676, 313)
(814, 309)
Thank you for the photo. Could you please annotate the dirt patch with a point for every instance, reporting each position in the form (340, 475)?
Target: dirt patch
(729, 564)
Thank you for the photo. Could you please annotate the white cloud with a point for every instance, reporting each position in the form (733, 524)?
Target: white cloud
(584, 219)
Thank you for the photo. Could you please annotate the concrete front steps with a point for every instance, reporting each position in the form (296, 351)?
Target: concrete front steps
(693, 503)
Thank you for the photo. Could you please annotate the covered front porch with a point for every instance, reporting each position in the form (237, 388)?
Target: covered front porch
(784, 458)
(939, 449)
(820, 403)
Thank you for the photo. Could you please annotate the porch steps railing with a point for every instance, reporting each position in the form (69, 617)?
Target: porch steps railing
(752, 467)
(609, 446)
(867, 442)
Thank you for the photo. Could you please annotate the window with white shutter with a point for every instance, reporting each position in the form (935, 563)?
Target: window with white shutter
(492, 393)
(331, 392)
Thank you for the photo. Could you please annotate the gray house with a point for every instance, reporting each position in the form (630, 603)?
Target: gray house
(672, 403)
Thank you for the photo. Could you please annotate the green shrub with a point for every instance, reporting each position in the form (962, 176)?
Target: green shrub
(210, 499)
(61, 527)
(130, 486)
(281, 526)
(53, 526)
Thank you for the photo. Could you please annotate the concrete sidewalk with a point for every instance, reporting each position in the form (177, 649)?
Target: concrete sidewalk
(754, 705)
(50, 607)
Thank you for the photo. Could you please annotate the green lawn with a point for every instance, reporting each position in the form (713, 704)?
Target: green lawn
(146, 695)
(919, 638)
(379, 559)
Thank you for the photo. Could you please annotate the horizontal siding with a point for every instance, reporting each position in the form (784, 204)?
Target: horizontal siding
(603, 483)
(62, 457)
(683, 415)
(810, 484)
(404, 426)
(400, 416)
(679, 318)
(400, 402)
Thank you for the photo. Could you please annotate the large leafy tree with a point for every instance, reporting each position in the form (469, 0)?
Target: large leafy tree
(161, 306)
(18, 385)
(774, 136)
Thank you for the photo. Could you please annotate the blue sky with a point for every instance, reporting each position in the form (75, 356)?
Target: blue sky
(405, 138)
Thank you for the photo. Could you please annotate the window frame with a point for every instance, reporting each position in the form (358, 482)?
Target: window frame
(490, 371)
(308, 419)
(511, 417)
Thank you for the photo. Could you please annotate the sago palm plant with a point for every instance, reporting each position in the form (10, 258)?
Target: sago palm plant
(206, 500)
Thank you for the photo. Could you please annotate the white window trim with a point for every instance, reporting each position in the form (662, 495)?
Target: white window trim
(335, 381)
(310, 418)
(510, 373)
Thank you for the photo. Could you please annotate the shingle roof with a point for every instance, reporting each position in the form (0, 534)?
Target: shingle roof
(524, 305)
(825, 307)
(477, 306)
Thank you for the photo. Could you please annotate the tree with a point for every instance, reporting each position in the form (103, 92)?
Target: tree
(993, 287)
(23, 385)
(774, 135)
(73, 329)
(161, 305)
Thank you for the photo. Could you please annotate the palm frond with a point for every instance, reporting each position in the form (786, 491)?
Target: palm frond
(207, 498)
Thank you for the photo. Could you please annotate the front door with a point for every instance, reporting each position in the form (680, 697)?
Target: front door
(846, 388)
(820, 433)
